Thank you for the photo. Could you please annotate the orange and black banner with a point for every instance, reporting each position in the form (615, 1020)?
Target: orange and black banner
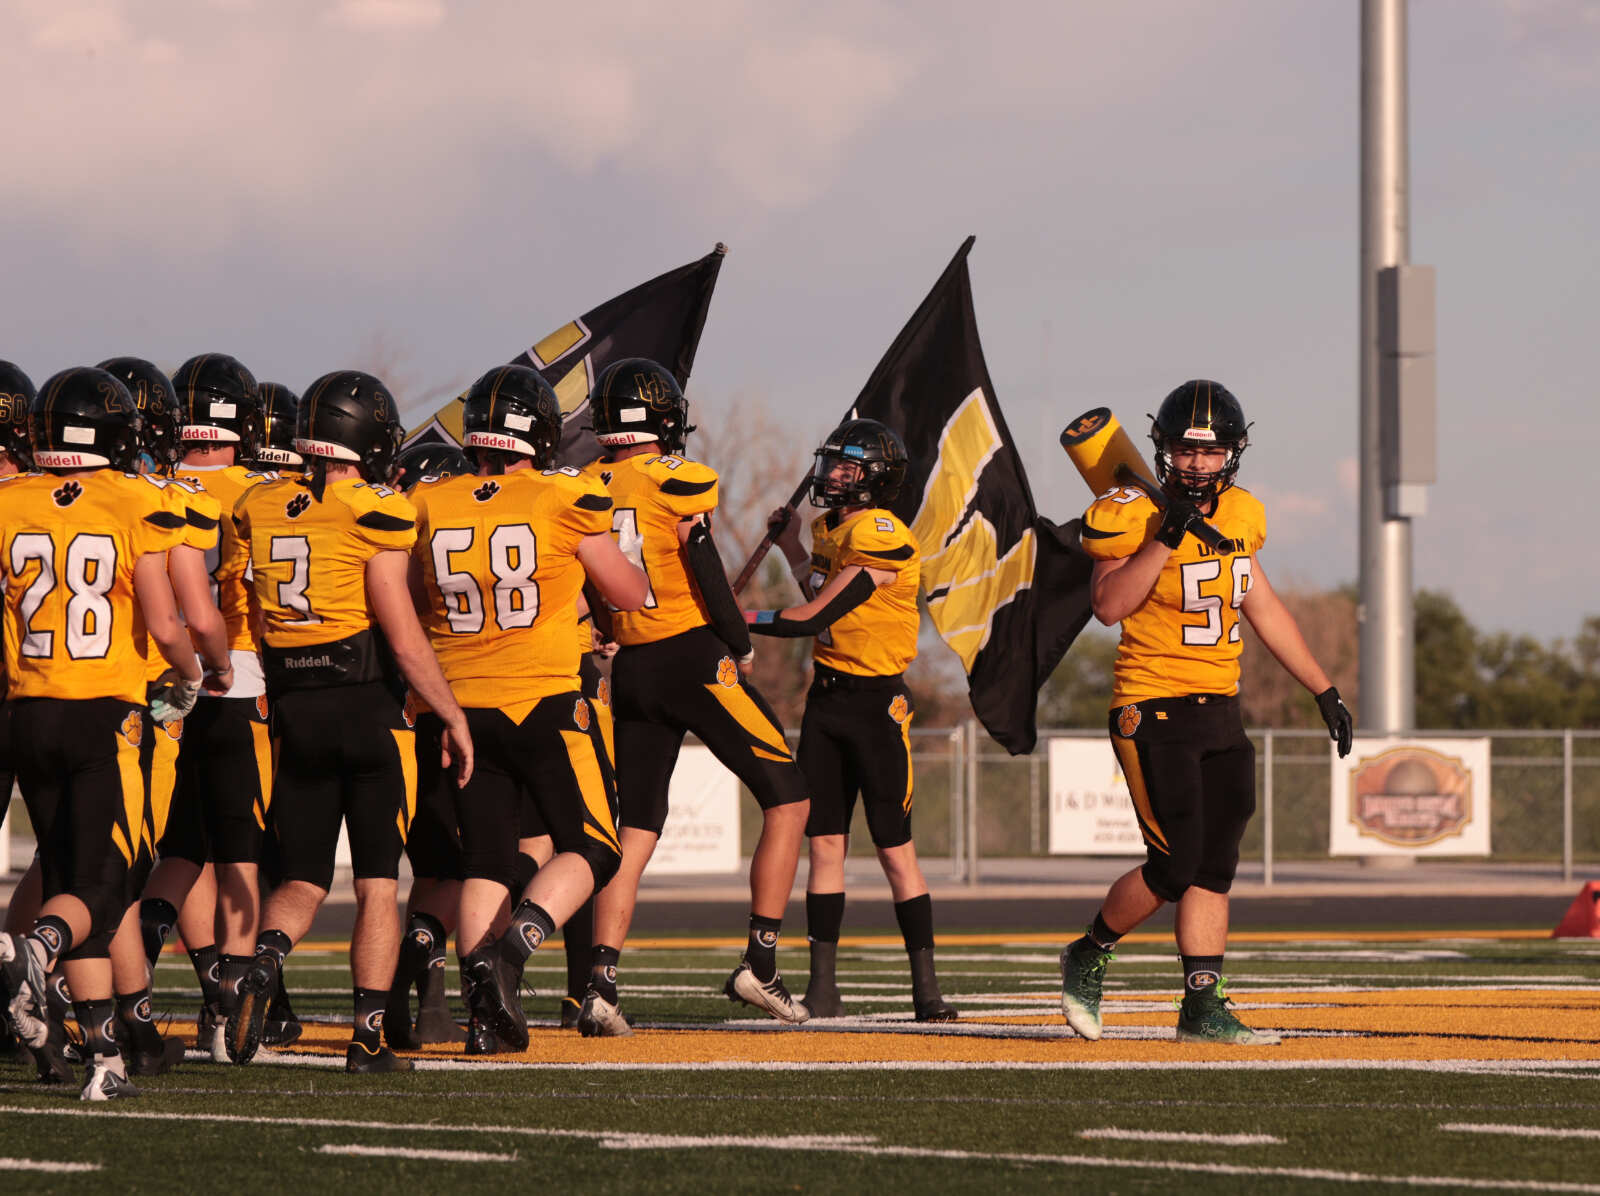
(660, 319)
(1007, 589)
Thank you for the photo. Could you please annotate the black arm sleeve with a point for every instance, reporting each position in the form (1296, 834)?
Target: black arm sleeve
(846, 600)
(706, 566)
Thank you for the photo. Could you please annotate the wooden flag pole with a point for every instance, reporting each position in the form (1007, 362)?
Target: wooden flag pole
(767, 541)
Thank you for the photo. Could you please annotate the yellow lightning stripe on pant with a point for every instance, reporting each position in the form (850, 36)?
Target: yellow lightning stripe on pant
(266, 759)
(405, 742)
(748, 715)
(1128, 757)
(126, 836)
(586, 767)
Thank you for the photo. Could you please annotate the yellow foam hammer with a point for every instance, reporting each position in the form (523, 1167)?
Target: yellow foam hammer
(1098, 444)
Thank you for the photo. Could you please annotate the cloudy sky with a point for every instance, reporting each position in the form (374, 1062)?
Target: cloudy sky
(1160, 191)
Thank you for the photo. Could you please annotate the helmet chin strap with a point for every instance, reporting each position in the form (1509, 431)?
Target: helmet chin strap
(316, 477)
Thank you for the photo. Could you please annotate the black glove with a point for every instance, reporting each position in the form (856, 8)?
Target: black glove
(1179, 517)
(1341, 727)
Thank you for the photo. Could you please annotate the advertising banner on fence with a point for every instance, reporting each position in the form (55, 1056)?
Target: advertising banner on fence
(1091, 812)
(1411, 797)
(702, 830)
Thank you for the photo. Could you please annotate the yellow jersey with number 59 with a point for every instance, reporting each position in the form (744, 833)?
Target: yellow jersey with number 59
(67, 552)
(879, 637)
(652, 496)
(1184, 638)
(501, 574)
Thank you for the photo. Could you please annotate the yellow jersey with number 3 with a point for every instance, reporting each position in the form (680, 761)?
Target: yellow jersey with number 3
(879, 637)
(651, 496)
(67, 552)
(1184, 638)
(500, 570)
(308, 559)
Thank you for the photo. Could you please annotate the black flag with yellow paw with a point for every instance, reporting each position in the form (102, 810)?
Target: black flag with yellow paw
(660, 319)
(1007, 589)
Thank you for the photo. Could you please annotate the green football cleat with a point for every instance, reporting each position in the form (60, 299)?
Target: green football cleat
(1083, 972)
(1206, 1017)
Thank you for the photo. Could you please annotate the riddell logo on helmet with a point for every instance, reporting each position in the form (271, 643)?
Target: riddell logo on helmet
(1205, 434)
(206, 432)
(493, 440)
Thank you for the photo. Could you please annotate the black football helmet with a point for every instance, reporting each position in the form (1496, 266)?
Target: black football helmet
(219, 403)
(430, 459)
(158, 408)
(84, 418)
(16, 398)
(513, 411)
(1199, 414)
(350, 417)
(876, 448)
(278, 407)
(636, 401)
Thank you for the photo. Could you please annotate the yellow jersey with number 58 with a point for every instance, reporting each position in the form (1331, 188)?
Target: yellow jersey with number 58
(501, 574)
(651, 496)
(67, 552)
(1184, 638)
(879, 637)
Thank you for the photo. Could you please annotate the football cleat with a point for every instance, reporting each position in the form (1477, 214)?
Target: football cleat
(495, 994)
(281, 1027)
(1083, 973)
(571, 1010)
(211, 1032)
(53, 1061)
(771, 996)
(434, 1021)
(242, 1033)
(822, 986)
(107, 1080)
(927, 1002)
(599, 1018)
(360, 1060)
(23, 987)
(145, 1052)
(1207, 1017)
(481, 1040)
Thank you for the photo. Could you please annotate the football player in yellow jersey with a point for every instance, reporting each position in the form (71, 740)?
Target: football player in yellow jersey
(328, 557)
(188, 571)
(434, 845)
(501, 558)
(680, 669)
(1174, 721)
(861, 581)
(83, 561)
(206, 882)
(275, 452)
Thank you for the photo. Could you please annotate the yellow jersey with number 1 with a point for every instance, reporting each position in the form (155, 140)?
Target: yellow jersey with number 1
(652, 495)
(1184, 638)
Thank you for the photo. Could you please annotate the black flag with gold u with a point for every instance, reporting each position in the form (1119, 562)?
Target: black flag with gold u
(660, 319)
(1007, 590)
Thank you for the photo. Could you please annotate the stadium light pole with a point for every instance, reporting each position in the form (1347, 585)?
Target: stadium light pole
(1388, 682)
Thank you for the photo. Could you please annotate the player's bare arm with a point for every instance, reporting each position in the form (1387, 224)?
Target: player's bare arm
(619, 580)
(160, 609)
(390, 598)
(191, 586)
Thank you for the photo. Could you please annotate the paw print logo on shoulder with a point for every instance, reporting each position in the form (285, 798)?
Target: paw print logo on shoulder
(486, 491)
(297, 506)
(67, 493)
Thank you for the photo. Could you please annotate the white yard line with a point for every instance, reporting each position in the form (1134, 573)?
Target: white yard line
(1115, 1135)
(860, 1147)
(1519, 1131)
(408, 1152)
(45, 1165)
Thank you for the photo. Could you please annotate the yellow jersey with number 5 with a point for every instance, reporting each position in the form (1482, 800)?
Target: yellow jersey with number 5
(652, 495)
(1184, 638)
(879, 637)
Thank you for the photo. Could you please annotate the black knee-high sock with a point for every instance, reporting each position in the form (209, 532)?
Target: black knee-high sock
(824, 916)
(761, 952)
(915, 916)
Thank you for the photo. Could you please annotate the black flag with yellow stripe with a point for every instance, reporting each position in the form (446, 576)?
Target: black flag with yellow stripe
(660, 319)
(1007, 589)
